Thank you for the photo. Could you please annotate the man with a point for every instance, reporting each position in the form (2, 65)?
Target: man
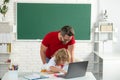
(57, 40)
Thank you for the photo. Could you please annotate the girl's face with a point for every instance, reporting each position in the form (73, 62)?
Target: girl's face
(62, 62)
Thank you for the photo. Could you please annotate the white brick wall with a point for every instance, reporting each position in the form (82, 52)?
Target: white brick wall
(26, 54)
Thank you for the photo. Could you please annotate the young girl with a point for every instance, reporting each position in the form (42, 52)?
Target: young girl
(59, 62)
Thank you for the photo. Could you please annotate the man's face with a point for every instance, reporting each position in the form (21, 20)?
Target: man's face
(66, 39)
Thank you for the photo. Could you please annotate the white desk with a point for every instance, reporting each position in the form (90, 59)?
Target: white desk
(89, 76)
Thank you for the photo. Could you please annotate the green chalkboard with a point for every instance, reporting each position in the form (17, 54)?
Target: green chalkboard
(34, 20)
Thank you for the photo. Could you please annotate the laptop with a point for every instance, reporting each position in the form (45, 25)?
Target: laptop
(76, 69)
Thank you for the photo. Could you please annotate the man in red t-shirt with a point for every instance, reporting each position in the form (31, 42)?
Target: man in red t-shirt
(56, 40)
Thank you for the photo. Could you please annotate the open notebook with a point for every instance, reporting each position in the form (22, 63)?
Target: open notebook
(35, 76)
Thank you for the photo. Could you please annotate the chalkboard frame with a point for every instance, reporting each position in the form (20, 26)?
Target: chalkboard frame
(41, 39)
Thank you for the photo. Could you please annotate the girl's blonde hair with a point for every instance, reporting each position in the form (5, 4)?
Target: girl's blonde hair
(62, 55)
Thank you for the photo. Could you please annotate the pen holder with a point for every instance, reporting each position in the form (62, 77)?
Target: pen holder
(13, 72)
(13, 75)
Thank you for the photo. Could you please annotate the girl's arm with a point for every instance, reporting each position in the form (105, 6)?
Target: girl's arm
(56, 69)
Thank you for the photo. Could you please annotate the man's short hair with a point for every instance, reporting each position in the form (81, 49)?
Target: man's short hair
(67, 30)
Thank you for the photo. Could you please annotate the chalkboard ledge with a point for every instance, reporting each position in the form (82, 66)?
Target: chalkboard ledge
(39, 40)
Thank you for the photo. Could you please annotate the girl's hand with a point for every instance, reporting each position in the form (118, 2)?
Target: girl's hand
(50, 72)
(63, 71)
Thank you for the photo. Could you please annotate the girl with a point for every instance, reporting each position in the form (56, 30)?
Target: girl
(59, 63)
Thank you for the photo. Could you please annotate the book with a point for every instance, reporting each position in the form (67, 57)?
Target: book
(35, 76)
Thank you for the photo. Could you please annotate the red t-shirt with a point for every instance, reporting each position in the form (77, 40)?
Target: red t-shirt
(52, 43)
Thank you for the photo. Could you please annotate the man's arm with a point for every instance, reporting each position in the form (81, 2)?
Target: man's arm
(42, 53)
(71, 50)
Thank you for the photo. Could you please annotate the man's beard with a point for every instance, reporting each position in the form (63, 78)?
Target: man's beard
(65, 42)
